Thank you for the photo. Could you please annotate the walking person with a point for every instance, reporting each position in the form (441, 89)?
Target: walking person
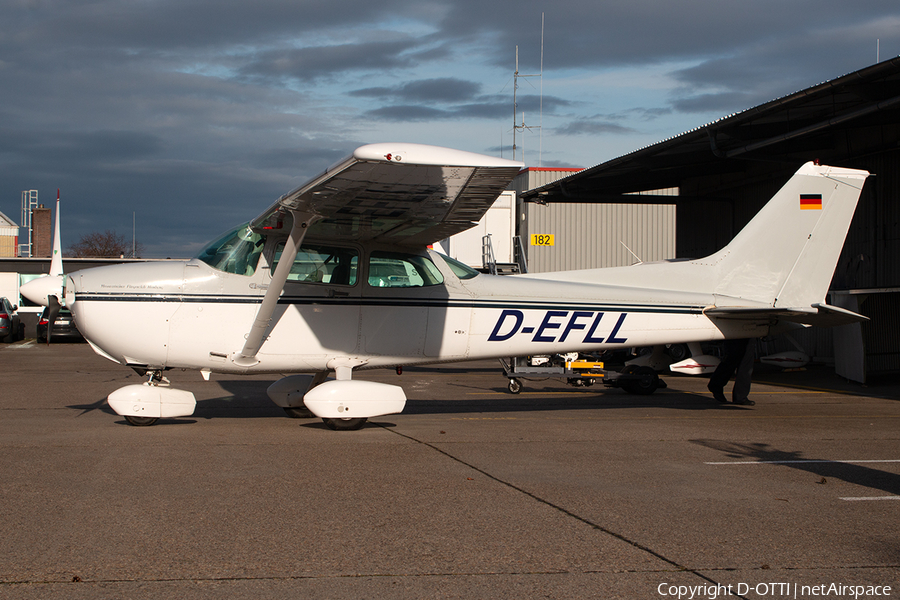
(737, 362)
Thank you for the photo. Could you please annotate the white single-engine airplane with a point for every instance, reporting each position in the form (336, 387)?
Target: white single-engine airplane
(336, 276)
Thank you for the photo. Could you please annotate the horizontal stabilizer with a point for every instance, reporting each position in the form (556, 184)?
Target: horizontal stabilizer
(823, 315)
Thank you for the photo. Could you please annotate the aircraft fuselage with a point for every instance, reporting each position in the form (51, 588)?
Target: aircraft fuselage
(188, 314)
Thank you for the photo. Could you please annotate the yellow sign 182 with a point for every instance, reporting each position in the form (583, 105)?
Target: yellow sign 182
(542, 239)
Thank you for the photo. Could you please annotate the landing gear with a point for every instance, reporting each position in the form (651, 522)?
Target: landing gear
(641, 380)
(140, 421)
(345, 424)
(145, 404)
(514, 386)
(298, 412)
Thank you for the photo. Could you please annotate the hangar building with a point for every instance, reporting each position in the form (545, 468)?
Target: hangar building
(723, 173)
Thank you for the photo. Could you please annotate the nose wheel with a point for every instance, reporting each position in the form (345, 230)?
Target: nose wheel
(140, 421)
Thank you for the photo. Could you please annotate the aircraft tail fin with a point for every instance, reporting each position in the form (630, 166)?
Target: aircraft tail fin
(56, 266)
(786, 256)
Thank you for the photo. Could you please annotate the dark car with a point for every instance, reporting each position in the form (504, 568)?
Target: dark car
(10, 324)
(63, 327)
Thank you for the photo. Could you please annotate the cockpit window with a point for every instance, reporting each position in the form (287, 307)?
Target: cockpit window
(459, 269)
(322, 264)
(395, 269)
(235, 252)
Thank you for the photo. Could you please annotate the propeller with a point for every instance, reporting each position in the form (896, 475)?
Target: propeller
(53, 307)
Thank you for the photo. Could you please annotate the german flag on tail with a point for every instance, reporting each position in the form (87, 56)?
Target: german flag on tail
(810, 201)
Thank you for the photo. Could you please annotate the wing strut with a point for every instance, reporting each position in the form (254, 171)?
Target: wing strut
(247, 356)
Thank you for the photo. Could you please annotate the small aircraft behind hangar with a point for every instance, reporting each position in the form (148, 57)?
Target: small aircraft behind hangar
(336, 276)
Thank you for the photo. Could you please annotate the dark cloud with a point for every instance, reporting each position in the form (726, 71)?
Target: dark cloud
(487, 107)
(444, 89)
(593, 126)
(26, 146)
(306, 64)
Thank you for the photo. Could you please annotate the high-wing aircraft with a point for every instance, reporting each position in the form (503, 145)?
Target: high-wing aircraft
(336, 276)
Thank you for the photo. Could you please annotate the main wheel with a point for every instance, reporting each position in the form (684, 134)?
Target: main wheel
(627, 384)
(514, 386)
(140, 421)
(646, 383)
(678, 352)
(345, 424)
(298, 412)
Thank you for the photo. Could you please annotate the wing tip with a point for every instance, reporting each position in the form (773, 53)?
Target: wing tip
(423, 154)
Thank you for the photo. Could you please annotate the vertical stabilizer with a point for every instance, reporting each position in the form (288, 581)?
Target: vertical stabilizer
(56, 266)
(786, 256)
(47, 289)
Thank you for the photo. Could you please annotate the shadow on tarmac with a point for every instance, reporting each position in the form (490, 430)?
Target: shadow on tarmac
(849, 472)
(246, 398)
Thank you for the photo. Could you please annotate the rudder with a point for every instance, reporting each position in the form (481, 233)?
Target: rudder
(786, 256)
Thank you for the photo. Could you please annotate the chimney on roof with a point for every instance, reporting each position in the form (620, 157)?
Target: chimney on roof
(41, 232)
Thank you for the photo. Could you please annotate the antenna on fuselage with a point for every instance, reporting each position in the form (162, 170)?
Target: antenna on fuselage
(638, 258)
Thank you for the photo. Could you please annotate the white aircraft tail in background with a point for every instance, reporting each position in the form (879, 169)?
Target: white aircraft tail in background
(41, 290)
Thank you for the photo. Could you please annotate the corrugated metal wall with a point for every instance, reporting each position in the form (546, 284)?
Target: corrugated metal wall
(589, 236)
(870, 256)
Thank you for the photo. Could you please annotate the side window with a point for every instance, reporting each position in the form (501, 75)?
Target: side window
(322, 264)
(394, 269)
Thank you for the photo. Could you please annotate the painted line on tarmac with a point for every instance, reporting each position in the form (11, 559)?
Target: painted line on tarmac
(794, 462)
(22, 345)
(866, 498)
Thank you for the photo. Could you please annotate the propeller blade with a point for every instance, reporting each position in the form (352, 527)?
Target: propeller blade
(53, 307)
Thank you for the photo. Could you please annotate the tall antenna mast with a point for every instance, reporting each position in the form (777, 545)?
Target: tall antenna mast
(516, 75)
(541, 122)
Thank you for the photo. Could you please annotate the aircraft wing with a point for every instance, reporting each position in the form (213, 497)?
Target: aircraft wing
(823, 315)
(398, 193)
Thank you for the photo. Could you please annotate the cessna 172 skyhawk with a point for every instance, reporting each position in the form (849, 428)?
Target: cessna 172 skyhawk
(336, 276)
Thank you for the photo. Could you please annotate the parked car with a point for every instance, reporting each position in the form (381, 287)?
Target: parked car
(10, 324)
(63, 327)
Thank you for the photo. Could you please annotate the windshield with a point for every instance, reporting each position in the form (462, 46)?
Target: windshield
(235, 252)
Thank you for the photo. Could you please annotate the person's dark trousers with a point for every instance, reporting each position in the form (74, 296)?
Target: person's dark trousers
(737, 362)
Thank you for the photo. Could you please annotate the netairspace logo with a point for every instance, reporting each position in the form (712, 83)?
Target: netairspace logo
(773, 590)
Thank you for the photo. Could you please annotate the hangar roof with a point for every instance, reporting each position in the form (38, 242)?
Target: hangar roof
(834, 122)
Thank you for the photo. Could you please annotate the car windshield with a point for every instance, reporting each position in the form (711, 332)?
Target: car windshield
(236, 252)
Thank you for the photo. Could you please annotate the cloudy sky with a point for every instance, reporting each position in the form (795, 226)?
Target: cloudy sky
(194, 115)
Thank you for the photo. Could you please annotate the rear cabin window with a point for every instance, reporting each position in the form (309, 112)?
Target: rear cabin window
(398, 270)
(322, 264)
(459, 269)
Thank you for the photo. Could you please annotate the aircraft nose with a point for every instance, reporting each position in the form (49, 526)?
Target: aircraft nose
(124, 310)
